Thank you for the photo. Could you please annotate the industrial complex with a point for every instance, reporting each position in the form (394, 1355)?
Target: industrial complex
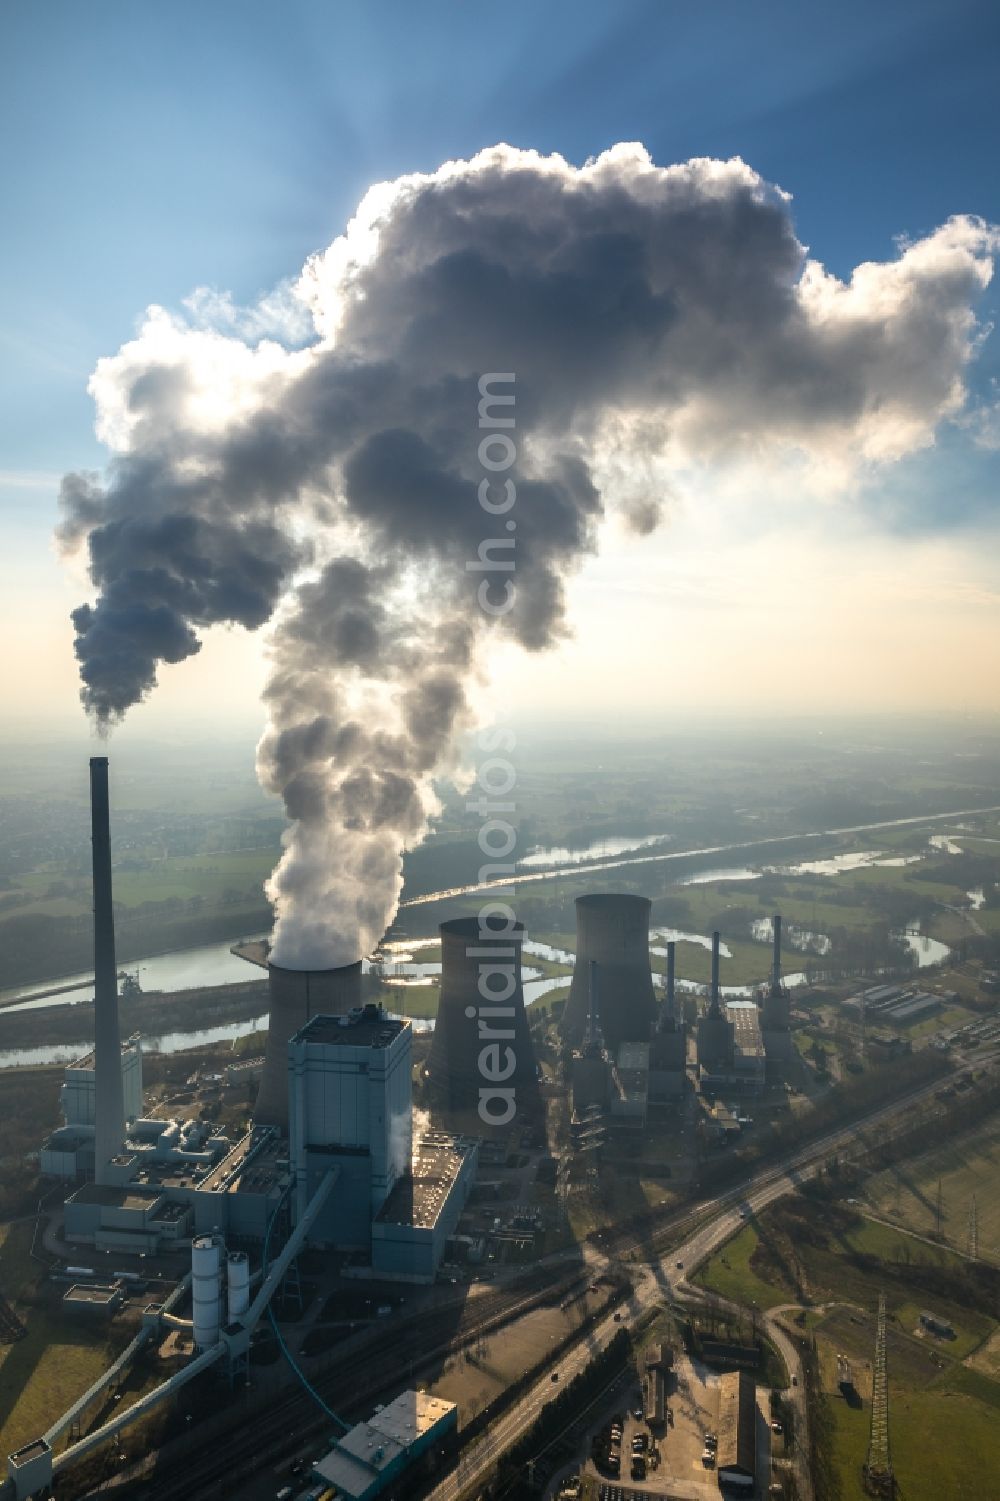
(332, 1161)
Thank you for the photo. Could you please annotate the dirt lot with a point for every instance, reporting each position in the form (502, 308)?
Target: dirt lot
(476, 1374)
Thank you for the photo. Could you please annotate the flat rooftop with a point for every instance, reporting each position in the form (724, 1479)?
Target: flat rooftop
(418, 1198)
(87, 1292)
(115, 1198)
(246, 1170)
(376, 1031)
(371, 1448)
(745, 1018)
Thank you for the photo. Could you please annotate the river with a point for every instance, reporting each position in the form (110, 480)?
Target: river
(213, 964)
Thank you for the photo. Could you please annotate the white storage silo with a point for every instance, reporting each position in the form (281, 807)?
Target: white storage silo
(237, 1285)
(206, 1289)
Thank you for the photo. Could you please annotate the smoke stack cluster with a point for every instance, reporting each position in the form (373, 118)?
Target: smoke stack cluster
(297, 995)
(612, 931)
(109, 1100)
(481, 1008)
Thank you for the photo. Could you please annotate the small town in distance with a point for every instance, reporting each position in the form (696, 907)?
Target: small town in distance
(314, 1262)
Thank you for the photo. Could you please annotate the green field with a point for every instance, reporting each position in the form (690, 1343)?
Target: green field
(945, 1445)
(969, 1165)
(944, 1405)
(730, 1274)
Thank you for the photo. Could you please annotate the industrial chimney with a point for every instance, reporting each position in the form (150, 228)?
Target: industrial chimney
(775, 1011)
(776, 961)
(109, 1102)
(715, 1030)
(481, 1026)
(612, 930)
(668, 1054)
(296, 995)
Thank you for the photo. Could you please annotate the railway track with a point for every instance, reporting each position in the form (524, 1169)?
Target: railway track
(223, 1459)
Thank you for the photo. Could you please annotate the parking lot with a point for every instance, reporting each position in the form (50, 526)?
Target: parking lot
(672, 1454)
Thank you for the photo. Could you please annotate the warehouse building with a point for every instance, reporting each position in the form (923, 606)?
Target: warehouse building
(736, 1457)
(374, 1457)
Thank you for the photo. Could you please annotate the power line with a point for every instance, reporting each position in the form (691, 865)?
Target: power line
(879, 1477)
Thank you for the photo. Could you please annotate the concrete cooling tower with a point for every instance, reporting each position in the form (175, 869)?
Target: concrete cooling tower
(612, 930)
(482, 1058)
(296, 996)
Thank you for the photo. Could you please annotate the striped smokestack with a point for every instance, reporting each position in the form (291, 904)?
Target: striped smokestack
(109, 1102)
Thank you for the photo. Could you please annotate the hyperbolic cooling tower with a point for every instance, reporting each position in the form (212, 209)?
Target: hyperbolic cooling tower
(612, 930)
(480, 1017)
(109, 1102)
(296, 996)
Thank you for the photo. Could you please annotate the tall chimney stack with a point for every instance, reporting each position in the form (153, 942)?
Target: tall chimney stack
(714, 1008)
(671, 980)
(109, 1102)
(776, 963)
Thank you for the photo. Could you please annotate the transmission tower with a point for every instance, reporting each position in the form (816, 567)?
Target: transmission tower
(879, 1478)
(939, 1212)
(973, 1246)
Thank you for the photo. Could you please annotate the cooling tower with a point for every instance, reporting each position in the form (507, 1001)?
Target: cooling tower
(612, 930)
(109, 1102)
(296, 996)
(482, 1058)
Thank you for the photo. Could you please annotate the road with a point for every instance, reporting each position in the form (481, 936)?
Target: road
(666, 1279)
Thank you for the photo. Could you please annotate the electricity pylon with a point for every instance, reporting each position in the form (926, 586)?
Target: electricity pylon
(973, 1245)
(879, 1477)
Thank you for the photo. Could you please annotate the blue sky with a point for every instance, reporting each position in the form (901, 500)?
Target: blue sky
(149, 148)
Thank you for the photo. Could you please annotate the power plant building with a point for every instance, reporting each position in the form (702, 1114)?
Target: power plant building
(296, 996)
(373, 1456)
(612, 931)
(69, 1151)
(350, 1088)
(411, 1229)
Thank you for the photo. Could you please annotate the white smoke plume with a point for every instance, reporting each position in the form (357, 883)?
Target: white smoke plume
(330, 486)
